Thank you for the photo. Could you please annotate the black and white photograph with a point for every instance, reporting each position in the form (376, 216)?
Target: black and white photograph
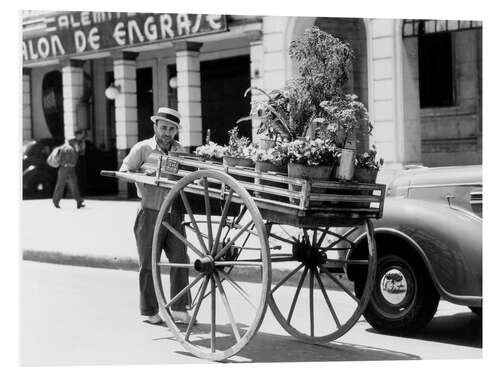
(203, 187)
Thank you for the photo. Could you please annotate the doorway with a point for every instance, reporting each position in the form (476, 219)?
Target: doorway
(223, 83)
(144, 77)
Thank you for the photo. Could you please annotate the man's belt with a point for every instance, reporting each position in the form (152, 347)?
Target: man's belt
(68, 165)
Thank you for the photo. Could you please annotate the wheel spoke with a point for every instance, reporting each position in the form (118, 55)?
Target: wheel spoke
(321, 239)
(347, 261)
(183, 291)
(228, 245)
(175, 265)
(296, 296)
(193, 221)
(285, 279)
(196, 309)
(237, 263)
(306, 236)
(288, 234)
(238, 288)
(227, 307)
(340, 284)
(315, 237)
(222, 222)
(182, 238)
(212, 321)
(341, 237)
(208, 212)
(281, 238)
(325, 295)
(311, 299)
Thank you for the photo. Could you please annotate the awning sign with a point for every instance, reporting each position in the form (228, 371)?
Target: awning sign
(89, 32)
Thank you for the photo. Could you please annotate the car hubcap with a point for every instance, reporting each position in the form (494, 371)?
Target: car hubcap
(39, 187)
(394, 286)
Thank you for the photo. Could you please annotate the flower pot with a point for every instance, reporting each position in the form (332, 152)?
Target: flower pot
(308, 172)
(266, 166)
(266, 143)
(232, 161)
(365, 175)
(345, 169)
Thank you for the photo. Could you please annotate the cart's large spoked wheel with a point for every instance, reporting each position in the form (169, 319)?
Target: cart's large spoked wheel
(317, 263)
(224, 250)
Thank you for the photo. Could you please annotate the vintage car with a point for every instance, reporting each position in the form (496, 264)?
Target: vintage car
(429, 245)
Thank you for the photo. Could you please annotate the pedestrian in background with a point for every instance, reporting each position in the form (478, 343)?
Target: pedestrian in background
(66, 158)
(166, 125)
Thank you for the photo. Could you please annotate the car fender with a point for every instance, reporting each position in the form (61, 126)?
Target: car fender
(448, 240)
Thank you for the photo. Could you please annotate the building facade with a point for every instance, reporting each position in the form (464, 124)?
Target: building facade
(108, 72)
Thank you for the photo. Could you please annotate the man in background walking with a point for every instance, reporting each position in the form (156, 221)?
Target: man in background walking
(67, 157)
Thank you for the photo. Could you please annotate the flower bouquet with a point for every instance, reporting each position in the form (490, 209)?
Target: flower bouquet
(367, 166)
(210, 151)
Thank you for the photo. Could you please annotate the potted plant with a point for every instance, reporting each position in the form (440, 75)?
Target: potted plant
(210, 151)
(341, 117)
(238, 152)
(269, 160)
(310, 159)
(367, 166)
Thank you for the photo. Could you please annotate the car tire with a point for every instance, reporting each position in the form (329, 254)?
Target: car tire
(476, 310)
(41, 187)
(404, 298)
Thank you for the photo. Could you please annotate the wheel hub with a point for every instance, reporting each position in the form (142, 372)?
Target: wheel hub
(394, 286)
(205, 265)
(308, 255)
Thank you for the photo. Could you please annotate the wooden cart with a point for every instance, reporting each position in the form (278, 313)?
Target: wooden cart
(243, 226)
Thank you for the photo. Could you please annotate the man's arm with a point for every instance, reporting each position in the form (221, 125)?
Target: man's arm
(133, 161)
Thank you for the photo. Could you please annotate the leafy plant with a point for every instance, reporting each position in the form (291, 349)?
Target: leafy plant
(238, 147)
(341, 117)
(368, 160)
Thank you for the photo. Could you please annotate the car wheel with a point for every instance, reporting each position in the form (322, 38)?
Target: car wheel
(403, 299)
(41, 187)
(476, 310)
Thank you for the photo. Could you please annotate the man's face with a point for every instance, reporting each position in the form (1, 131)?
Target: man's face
(164, 132)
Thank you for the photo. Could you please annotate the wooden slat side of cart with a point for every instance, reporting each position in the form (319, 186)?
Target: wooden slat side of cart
(293, 201)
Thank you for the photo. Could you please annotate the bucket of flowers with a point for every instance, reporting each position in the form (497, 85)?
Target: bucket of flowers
(210, 151)
(310, 159)
(367, 166)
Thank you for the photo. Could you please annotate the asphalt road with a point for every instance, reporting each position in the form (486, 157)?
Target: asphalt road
(88, 316)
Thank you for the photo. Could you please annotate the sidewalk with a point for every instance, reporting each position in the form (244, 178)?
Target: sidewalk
(99, 235)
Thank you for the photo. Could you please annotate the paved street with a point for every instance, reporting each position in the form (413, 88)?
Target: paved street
(80, 315)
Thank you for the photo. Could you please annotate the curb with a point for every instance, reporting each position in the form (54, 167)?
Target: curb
(118, 263)
(246, 274)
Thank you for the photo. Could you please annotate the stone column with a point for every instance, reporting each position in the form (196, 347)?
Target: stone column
(124, 69)
(72, 78)
(256, 74)
(27, 124)
(384, 104)
(189, 92)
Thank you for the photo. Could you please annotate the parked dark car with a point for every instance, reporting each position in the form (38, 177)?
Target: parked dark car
(429, 245)
(39, 178)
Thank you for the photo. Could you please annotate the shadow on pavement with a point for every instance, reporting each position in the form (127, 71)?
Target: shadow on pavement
(464, 329)
(266, 347)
